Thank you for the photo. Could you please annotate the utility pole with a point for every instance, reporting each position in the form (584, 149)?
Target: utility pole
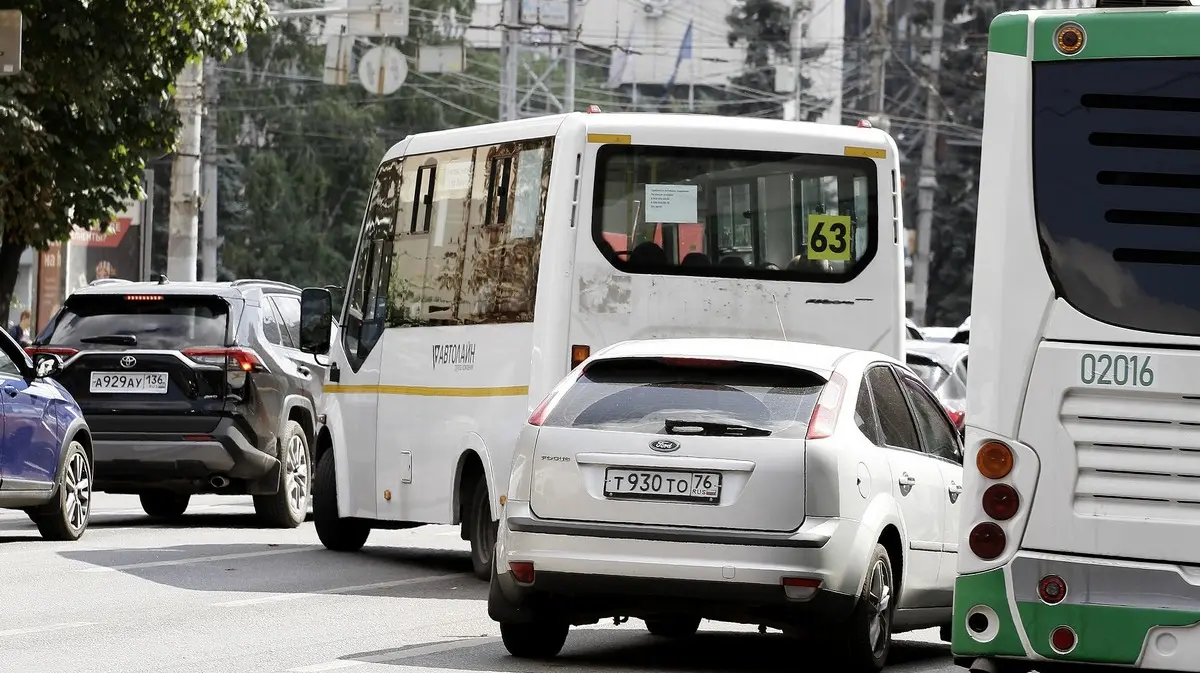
(185, 175)
(878, 69)
(510, 46)
(209, 240)
(927, 184)
(569, 94)
(797, 59)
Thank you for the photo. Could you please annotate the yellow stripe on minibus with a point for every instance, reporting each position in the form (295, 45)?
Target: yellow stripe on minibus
(869, 152)
(428, 391)
(611, 138)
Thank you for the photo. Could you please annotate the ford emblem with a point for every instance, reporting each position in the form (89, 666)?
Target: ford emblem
(128, 362)
(664, 445)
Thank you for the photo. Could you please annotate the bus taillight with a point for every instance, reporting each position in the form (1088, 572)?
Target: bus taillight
(995, 460)
(1052, 589)
(987, 541)
(1001, 502)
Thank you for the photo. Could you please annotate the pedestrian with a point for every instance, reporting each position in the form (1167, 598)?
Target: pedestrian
(20, 331)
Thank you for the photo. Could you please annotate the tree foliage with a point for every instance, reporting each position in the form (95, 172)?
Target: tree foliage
(92, 104)
(764, 28)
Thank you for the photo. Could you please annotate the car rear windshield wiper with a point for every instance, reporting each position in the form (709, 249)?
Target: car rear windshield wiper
(114, 339)
(708, 428)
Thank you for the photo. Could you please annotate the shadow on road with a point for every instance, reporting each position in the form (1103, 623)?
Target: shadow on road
(631, 650)
(396, 572)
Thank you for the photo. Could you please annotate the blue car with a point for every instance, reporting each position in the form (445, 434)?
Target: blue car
(45, 445)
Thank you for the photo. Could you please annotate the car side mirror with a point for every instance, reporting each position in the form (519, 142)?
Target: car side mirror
(46, 365)
(316, 320)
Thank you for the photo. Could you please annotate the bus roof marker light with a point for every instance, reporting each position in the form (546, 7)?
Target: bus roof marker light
(1069, 38)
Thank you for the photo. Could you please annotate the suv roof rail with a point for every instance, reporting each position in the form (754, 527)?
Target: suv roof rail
(260, 281)
(107, 281)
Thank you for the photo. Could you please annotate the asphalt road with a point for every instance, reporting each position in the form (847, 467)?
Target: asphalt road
(217, 594)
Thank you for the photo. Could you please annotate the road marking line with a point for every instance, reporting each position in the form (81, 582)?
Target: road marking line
(276, 598)
(43, 629)
(327, 666)
(436, 648)
(195, 559)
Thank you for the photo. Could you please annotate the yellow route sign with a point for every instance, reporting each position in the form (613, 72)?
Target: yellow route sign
(828, 237)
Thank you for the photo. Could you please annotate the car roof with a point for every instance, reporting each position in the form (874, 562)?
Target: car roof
(819, 358)
(942, 351)
(221, 289)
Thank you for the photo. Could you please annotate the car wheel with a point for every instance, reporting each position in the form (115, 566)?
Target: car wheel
(482, 531)
(534, 640)
(165, 505)
(288, 507)
(66, 517)
(673, 627)
(868, 635)
(335, 533)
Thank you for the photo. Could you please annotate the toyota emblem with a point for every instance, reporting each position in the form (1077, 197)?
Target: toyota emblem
(664, 445)
(128, 362)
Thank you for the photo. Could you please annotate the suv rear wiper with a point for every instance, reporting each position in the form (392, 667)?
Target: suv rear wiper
(114, 339)
(676, 427)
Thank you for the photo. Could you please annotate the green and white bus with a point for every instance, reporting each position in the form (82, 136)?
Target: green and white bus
(1081, 503)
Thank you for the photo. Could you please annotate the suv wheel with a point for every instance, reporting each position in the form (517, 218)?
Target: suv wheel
(288, 507)
(335, 533)
(65, 518)
(482, 531)
(673, 627)
(869, 630)
(534, 640)
(165, 505)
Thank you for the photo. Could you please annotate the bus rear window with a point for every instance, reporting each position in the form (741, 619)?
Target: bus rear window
(732, 213)
(1116, 153)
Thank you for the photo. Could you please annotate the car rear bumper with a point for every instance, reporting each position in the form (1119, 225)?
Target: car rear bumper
(583, 578)
(131, 461)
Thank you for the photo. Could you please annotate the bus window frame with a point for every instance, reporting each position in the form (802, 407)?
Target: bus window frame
(856, 167)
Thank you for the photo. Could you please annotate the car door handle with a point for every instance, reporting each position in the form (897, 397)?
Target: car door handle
(907, 480)
(304, 371)
(10, 391)
(955, 489)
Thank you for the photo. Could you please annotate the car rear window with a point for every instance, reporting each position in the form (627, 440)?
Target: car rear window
(154, 321)
(663, 396)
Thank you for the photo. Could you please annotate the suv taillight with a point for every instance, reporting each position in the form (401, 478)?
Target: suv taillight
(60, 351)
(237, 361)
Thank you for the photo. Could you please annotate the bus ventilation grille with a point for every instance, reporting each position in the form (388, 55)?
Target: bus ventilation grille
(1105, 4)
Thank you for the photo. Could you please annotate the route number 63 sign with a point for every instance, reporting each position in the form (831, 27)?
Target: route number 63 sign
(829, 237)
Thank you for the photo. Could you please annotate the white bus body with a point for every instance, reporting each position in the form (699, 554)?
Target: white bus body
(1086, 363)
(435, 377)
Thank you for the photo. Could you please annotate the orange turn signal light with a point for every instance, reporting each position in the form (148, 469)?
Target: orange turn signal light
(1069, 38)
(994, 460)
(579, 353)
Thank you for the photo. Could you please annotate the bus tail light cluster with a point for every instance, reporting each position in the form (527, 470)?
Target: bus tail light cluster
(1001, 501)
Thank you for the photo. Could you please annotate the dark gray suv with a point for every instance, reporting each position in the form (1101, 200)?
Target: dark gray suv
(193, 388)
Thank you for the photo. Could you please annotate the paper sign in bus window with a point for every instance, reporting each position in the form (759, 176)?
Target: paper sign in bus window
(828, 237)
(672, 204)
(529, 194)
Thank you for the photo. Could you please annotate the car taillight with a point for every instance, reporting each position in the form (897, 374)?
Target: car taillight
(61, 352)
(957, 416)
(824, 416)
(543, 409)
(1001, 502)
(237, 361)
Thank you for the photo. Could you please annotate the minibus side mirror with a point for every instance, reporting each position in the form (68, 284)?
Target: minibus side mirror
(316, 320)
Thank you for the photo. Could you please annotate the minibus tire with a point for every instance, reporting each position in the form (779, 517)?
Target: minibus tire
(483, 531)
(337, 534)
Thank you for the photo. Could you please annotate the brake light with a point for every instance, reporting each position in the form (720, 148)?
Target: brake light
(543, 409)
(1001, 502)
(143, 297)
(824, 416)
(60, 351)
(237, 361)
(957, 417)
(987, 541)
(699, 362)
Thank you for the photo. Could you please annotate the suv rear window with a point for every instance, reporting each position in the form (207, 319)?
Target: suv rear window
(666, 395)
(155, 321)
(1117, 195)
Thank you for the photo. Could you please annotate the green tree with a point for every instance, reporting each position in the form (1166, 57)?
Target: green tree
(764, 27)
(92, 104)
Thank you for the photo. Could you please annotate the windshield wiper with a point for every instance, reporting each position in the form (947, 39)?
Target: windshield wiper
(710, 429)
(113, 339)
